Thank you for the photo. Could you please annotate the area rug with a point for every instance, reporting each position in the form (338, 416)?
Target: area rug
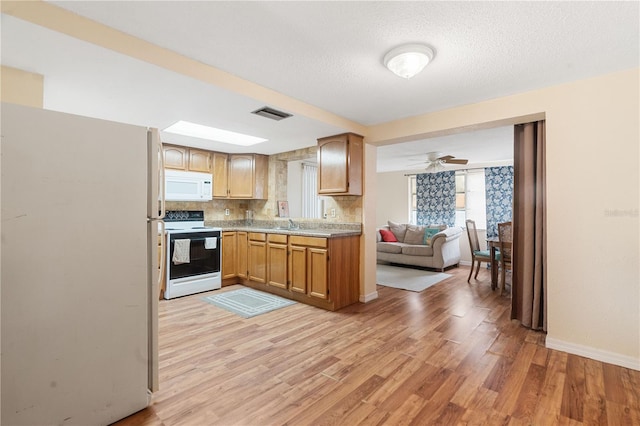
(407, 278)
(247, 302)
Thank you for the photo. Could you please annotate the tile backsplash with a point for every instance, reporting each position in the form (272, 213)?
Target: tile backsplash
(348, 209)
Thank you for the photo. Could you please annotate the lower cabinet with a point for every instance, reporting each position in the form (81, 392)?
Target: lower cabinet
(322, 272)
(298, 269)
(277, 260)
(257, 257)
(243, 256)
(234, 257)
(229, 255)
(308, 265)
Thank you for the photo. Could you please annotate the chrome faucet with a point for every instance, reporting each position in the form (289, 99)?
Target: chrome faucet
(292, 225)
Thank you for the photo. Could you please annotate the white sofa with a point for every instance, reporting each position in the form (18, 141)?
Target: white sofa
(443, 251)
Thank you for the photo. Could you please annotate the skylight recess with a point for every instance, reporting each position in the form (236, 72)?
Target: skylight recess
(195, 130)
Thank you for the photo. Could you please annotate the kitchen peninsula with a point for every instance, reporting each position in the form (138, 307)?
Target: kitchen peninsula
(316, 266)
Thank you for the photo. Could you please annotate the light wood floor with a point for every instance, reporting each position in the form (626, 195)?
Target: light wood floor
(448, 355)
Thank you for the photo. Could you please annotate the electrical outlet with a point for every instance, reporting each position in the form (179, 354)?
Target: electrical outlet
(226, 212)
(333, 212)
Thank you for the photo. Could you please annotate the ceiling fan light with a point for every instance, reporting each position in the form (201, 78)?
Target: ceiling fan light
(408, 60)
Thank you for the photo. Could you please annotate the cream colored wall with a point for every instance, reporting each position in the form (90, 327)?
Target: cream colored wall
(21, 87)
(593, 282)
(393, 198)
(368, 290)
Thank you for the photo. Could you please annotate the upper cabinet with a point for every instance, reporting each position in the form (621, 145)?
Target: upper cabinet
(183, 158)
(241, 176)
(340, 164)
(199, 160)
(176, 157)
(220, 172)
(248, 176)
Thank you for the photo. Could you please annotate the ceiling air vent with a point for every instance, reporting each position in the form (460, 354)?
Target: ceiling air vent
(271, 113)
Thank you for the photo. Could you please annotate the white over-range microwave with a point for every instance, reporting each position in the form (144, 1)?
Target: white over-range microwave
(187, 186)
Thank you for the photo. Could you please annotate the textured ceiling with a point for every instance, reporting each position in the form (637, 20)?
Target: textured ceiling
(327, 54)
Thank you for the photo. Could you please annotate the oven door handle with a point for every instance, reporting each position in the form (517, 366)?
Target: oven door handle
(196, 239)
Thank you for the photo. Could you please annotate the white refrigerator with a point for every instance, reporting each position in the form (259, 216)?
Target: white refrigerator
(79, 223)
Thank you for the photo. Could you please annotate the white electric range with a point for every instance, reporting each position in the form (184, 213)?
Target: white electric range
(193, 255)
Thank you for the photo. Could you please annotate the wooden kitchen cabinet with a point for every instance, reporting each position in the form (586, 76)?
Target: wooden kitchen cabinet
(297, 270)
(240, 176)
(184, 158)
(176, 157)
(229, 255)
(318, 271)
(199, 161)
(308, 265)
(248, 176)
(220, 174)
(242, 258)
(277, 260)
(340, 164)
(317, 264)
(257, 257)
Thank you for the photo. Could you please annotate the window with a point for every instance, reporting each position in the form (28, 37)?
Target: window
(302, 190)
(470, 198)
(461, 204)
(311, 205)
(413, 208)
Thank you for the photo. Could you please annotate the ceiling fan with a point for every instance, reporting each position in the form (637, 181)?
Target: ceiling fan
(435, 160)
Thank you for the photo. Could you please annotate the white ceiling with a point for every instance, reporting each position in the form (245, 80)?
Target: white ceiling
(327, 54)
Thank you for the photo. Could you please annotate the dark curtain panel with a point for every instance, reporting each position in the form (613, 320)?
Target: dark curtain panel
(436, 198)
(529, 288)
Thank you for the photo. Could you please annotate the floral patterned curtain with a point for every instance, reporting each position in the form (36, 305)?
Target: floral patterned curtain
(499, 194)
(436, 198)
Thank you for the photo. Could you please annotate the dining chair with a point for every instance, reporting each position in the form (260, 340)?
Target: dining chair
(505, 242)
(477, 255)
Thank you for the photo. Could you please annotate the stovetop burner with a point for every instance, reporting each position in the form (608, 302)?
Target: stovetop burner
(185, 221)
(184, 216)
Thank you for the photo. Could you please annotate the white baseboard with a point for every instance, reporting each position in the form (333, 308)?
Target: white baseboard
(465, 262)
(366, 298)
(593, 353)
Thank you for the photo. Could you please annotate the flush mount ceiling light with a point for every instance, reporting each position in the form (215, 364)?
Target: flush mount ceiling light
(186, 128)
(409, 59)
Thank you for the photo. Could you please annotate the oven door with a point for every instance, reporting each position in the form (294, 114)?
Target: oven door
(202, 260)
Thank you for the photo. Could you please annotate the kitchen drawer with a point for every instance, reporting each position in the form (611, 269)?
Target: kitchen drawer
(277, 238)
(308, 241)
(257, 236)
